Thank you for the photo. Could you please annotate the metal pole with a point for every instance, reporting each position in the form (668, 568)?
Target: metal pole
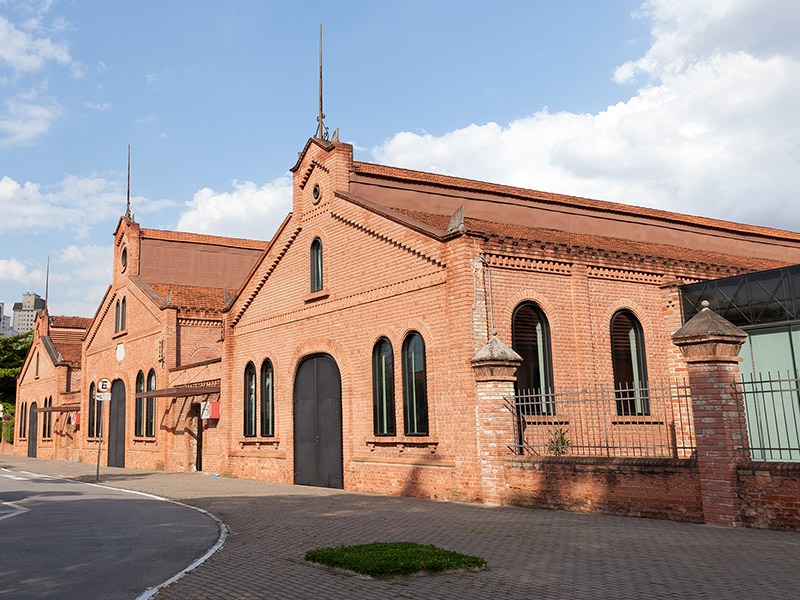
(99, 445)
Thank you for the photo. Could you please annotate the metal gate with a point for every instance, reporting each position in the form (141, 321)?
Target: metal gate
(116, 425)
(318, 423)
(33, 430)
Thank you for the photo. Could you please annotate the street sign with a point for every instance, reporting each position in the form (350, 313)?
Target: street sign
(103, 396)
(104, 385)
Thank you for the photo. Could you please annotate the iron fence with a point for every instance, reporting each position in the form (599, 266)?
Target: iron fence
(772, 412)
(655, 421)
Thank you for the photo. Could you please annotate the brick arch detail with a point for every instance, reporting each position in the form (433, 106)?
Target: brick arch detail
(503, 323)
(636, 310)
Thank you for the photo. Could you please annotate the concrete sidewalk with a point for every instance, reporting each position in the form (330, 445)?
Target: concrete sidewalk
(532, 553)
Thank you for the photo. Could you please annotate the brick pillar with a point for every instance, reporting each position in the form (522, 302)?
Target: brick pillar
(711, 346)
(495, 366)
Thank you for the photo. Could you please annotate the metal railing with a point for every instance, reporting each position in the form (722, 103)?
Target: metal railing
(772, 412)
(655, 421)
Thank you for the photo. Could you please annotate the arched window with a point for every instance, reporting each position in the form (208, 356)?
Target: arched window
(23, 421)
(250, 400)
(316, 265)
(415, 392)
(92, 412)
(150, 411)
(383, 388)
(530, 338)
(628, 358)
(116, 317)
(37, 365)
(138, 424)
(123, 315)
(267, 397)
(47, 420)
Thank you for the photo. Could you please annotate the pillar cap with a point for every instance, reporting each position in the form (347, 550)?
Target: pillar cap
(709, 335)
(495, 350)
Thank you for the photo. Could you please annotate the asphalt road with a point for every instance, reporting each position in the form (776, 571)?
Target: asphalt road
(64, 539)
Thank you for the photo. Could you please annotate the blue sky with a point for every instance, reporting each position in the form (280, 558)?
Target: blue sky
(686, 106)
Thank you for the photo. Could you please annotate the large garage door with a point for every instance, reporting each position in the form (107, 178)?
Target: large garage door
(318, 423)
(116, 426)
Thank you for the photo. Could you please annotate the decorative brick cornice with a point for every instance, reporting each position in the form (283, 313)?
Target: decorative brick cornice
(199, 322)
(307, 175)
(625, 275)
(387, 239)
(266, 275)
(526, 263)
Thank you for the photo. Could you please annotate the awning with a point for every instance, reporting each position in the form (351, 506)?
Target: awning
(59, 409)
(181, 392)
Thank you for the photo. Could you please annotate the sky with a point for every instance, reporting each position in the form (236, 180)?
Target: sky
(682, 105)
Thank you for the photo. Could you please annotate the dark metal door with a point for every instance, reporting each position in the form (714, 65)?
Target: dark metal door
(116, 425)
(33, 429)
(318, 423)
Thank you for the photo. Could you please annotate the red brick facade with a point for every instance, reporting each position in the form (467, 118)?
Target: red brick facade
(394, 267)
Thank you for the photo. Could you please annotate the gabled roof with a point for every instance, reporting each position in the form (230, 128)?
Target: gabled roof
(409, 176)
(191, 300)
(198, 238)
(70, 322)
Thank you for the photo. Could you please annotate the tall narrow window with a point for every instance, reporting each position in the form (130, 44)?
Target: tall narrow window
(123, 316)
(630, 373)
(92, 412)
(250, 400)
(530, 338)
(150, 410)
(267, 406)
(383, 388)
(316, 265)
(116, 317)
(47, 420)
(415, 393)
(37, 365)
(138, 419)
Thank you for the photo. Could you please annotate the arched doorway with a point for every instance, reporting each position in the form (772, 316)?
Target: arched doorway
(116, 425)
(33, 429)
(318, 423)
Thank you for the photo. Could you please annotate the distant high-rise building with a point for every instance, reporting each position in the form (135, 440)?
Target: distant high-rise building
(5, 322)
(25, 311)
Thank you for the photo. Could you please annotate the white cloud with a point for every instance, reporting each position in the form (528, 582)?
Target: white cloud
(101, 106)
(23, 52)
(73, 204)
(25, 117)
(711, 131)
(14, 270)
(79, 276)
(248, 211)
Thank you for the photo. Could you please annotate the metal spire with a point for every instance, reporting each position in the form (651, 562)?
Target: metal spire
(128, 203)
(322, 131)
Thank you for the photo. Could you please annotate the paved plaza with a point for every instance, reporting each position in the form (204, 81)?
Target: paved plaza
(531, 553)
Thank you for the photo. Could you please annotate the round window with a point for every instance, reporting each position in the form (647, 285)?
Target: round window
(316, 193)
(123, 259)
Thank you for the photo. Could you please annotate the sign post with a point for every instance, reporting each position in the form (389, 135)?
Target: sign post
(103, 395)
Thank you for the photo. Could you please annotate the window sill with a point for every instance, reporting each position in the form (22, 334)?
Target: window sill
(258, 442)
(119, 334)
(636, 420)
(139, 439)
(543, 420)
(402, 443)
(316, 296)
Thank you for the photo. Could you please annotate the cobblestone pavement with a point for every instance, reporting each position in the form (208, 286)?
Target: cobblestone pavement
(531, 553)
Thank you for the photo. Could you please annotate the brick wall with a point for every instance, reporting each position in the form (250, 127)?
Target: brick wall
(641, 487)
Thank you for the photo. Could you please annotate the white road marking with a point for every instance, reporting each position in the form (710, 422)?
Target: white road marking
(18, 510)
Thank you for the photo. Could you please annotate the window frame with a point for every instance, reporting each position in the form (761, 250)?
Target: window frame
(92, 412)
(150, 405)
(250, 401)
(267, 399)
(632, 397)
(316, 266)
(533, 400)
(383, 396)
(138, 419)
(415, 405)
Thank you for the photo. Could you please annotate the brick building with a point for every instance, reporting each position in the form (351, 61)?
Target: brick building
(49, 388)
(348, 351)
(372, 343)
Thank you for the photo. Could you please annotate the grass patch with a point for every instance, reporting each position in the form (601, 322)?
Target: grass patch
(387, 559)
